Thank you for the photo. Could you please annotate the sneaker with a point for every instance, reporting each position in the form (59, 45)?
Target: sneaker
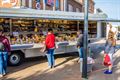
(53, 66)
(1, 75)
(80, 60)
(4, 74)
(50, 67)
(108, 72)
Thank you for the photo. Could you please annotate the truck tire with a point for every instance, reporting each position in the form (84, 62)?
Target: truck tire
(15, 59)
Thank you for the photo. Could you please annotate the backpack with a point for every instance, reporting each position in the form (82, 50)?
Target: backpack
(2, 47)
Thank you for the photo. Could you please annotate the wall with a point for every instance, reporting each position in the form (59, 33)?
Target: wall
(91, 6)
(9, 3)
(75, 5)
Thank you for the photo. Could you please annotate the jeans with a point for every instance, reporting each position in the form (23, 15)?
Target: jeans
(3, 62)
(50, 57)
(80, 50)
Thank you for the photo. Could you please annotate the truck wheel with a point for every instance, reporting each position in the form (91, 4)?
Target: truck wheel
(15, 59)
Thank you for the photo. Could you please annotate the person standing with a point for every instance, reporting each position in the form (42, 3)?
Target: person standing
(80, 44)
(4, 50)
(110, 49)
(50, 46)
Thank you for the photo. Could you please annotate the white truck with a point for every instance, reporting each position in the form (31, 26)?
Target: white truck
(21, 51)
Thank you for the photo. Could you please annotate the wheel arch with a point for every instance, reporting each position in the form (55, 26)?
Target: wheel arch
(19, 52)
(21, 55)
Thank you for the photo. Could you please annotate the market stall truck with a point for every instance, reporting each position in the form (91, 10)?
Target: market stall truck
(21, 51)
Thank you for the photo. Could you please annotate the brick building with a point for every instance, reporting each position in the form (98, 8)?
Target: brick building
(78, 5)
(60, 5)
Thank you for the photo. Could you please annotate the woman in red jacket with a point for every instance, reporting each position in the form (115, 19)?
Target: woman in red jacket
(4, 49)
(50, 45)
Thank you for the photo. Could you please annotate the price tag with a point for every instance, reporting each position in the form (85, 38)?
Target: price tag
(15, 33)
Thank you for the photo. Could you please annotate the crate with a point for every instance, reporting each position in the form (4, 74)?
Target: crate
(89, 67)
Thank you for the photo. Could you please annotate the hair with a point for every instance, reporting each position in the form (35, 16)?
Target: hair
(110, 25)
(50, 30)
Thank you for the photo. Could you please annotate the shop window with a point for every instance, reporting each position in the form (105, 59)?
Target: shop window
(77, 10)
(57, 4)
(23, 3)
(70, 8)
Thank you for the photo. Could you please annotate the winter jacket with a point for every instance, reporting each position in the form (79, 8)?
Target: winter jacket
(50, 41)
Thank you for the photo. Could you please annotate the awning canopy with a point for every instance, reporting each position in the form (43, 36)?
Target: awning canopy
(45, 14)
(111, 20)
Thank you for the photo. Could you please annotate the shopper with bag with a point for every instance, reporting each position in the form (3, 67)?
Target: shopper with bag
(109, 51)
(50, 46)
(4, 50)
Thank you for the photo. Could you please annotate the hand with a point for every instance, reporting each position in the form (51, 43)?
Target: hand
(56, 47)
(78, 46)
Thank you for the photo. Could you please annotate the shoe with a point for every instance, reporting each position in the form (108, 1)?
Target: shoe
(4, 74)
(80, 60)
(1, 75)
(53, 66)
(108, 72)
(50, 67)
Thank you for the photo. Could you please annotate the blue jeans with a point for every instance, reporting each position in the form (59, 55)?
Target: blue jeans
(3, 62)
(80, 50)
(50, 57)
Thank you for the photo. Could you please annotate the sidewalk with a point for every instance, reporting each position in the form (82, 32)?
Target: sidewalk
(98, 73)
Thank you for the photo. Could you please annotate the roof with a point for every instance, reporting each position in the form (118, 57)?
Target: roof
(111, 20)
(32, 13)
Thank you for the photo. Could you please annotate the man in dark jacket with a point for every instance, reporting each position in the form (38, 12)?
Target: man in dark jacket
(50, 45)
(80, 44)
(5, 48)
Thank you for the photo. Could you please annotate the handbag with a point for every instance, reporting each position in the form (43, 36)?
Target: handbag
(107, 61)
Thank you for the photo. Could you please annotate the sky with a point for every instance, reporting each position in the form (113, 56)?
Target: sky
(110, 7)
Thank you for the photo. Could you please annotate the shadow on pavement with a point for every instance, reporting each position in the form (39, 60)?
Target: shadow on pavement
(38, 60)
(66, 72)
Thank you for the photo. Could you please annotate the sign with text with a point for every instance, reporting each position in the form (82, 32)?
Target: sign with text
(50, 2)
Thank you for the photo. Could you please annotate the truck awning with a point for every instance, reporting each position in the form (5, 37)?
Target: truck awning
(45, 14)
(111, 20)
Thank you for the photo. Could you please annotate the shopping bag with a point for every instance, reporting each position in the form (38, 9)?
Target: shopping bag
(43, 49)
(107, 61)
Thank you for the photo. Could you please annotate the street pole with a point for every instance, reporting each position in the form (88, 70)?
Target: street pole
(84, 67)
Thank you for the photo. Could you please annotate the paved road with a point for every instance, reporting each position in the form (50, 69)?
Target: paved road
(67, 68)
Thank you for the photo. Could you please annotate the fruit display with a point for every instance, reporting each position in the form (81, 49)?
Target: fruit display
(27, 39)
(36, 33)
(66, 37)
(34, 30)
(37, 38)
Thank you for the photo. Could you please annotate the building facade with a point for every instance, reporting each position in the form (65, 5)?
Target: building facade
(59, 5)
